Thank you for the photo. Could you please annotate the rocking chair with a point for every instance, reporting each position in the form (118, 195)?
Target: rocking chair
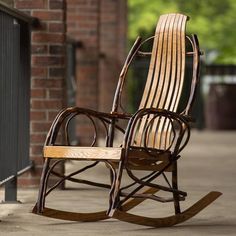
(153, 139)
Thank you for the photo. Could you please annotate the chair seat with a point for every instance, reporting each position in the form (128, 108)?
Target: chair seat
(139, 159)
(82, 153)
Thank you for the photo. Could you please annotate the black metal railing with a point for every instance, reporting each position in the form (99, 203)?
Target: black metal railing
(14, 97)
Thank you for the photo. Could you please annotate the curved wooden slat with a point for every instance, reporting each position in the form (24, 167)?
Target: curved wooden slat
(161, 97)
(165, 79)
(152, 80)
(170, 220)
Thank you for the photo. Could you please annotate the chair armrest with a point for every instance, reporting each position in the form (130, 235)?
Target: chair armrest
(64, 114)
(118, 115)
(181, 128)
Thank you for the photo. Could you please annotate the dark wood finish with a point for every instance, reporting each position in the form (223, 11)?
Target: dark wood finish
(89, 217)
(153, 139)
(169, 220)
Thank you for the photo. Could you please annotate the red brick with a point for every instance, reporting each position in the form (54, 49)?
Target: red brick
(38, 161)
(39, 49)
(49, 15)
(57, 49)
(47, 75)
(38, 93)
(37, 138)
(29, 4)
(57, 4)
(52, 114)
(47, 60)
(28, 182)
(56, 93)
(36, 172)
(56, 27)
(76, 2)
(37, 115)
(36, 149)
(40, 127)
(39, 72)
(39, 37)
(46, 104)
(42, 26)
(47, 83)
(57, 72)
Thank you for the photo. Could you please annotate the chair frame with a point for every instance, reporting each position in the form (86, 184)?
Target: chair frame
(121, 202)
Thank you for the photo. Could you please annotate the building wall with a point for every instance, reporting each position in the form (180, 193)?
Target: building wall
(113, 24)
(100, 25)
(47, 75)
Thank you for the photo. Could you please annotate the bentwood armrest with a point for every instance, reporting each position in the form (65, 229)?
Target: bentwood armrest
(75, 111)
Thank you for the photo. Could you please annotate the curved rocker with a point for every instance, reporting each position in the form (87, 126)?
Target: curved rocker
(89, 217)
(72, 216)
(170, 220)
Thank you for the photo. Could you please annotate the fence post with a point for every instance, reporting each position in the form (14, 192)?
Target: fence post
(11, 191)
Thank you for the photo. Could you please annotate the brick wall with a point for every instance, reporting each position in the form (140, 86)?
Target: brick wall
(112, 46)
(101, 26)
(47, 74)
(83, 25)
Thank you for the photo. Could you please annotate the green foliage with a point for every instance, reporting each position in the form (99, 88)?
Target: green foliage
(213, 21)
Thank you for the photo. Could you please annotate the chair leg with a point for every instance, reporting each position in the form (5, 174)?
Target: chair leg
(175, 186)
(111, 177)
(115, 189)
(42, 187)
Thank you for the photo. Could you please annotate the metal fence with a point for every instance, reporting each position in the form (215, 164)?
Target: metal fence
(14, 98)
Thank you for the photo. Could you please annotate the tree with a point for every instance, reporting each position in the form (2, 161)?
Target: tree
(212, 20)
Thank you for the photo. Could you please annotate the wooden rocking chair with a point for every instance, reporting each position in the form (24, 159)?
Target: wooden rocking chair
(153, 139)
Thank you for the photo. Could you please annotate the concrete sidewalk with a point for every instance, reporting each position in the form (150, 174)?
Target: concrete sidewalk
(207, 164)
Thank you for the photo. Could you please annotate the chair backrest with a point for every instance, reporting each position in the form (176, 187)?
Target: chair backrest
(167, 65)
(165, 77)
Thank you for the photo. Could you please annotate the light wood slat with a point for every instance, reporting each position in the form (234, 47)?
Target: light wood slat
(178, 75)
(177, 82)
(158, 99)
(183, 52)
(98, 153)
(156, 44)
(159, 68)
(163, 91)
(174, 63)
(155, 59)
(167, 125)
(182, 72)
(161, 74)
(153, 79)
(180, 62)
(85, 153)
(165, 78)
(178, 65)
(180, 80)
(165, 128)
